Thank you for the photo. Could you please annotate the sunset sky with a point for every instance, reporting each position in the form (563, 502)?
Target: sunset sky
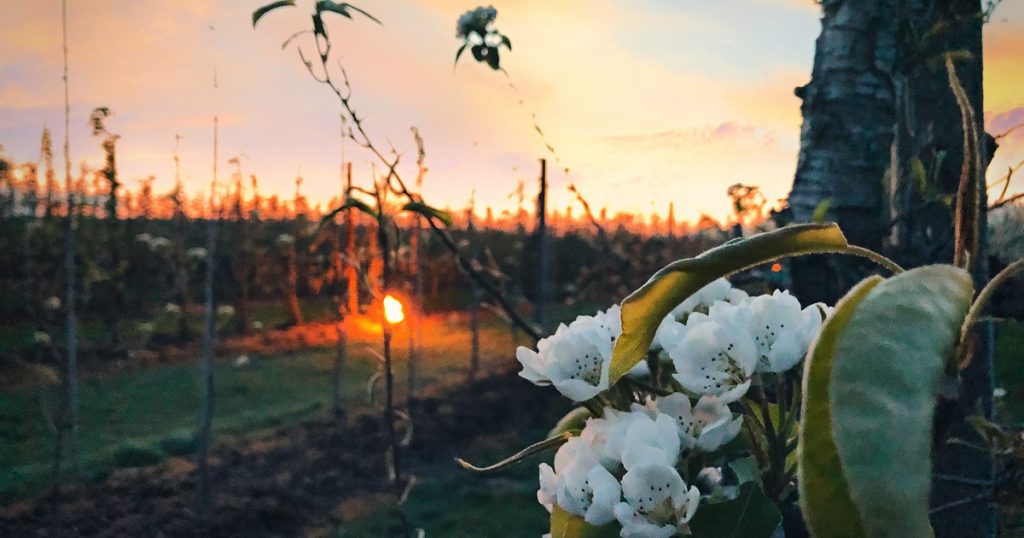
(646, 101)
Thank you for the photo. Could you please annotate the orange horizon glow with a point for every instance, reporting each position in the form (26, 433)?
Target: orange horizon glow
(641, 113)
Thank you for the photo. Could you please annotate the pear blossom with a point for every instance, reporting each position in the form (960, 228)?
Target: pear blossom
(651, 440)
(172, 308)
(197, 253)
(226, 310)
(52, 303)
(607, 436)
(693, 310)
(575, 359)
(657, 503)
(579, 484)
(158, 243)
(715, 358)
(706, 426)
(781, 330)
(719, 290)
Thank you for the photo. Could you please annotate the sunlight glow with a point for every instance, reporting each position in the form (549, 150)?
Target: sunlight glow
(393, 311)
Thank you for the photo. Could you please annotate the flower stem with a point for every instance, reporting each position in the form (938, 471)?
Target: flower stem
(979, 304)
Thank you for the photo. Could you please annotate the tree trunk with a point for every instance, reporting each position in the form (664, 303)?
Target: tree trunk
(292, 284)
(929, 158)
(351, 256)
(845, 140)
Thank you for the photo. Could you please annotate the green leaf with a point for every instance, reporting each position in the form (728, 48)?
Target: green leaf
(644, 309)
(459, 52)
(749, 515)
(821, 211)
(745, 469)
(342, 8)
(506, 41)
(566, 525)
(259, 13)
(885, 375)
(429, 212)
(920, 175)
(824, 493)
(351, 203)
(318, 26)
(573, 422)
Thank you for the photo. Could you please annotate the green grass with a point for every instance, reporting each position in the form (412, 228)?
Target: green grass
(150, 415)
(1009, 368)
(467, 504)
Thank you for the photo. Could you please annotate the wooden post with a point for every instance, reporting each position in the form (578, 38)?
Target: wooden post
(542, 285)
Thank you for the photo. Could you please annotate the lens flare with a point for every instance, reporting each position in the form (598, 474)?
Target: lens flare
(393, 311)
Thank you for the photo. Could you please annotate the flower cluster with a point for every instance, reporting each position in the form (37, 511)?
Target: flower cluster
(624, 466)
(476, 30)
(718, 348)
(652, 438)
(154, 243)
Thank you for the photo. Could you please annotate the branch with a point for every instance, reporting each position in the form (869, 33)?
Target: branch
(361, 138)
(1006, 201)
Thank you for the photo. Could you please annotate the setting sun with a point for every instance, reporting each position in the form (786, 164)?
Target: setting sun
(393, 311)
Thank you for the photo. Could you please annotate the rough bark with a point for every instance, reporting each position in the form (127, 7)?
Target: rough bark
(845, 140)
(929, 163)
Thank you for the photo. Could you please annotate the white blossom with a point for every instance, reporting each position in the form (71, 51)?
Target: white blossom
(651, 440)
(159, 242)
(579, 484)
(657, 502)
(226, 310)
(52, 303)
(575, 359)
(781, 331)
(607, 436)
(172, 308)
(715, 358)
(706, 426)
(719, 290)
(693, 310)
(197, 253)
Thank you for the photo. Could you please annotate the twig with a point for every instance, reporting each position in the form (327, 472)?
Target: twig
(1006, 201)
(961, 502)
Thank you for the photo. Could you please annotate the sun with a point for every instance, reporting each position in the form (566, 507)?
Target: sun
(393, 310)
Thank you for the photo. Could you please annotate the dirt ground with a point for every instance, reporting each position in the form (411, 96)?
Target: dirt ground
(305, 480)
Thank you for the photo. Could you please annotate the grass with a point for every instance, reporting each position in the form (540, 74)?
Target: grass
(494, 505)
(1009, 371)
(142, 417)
